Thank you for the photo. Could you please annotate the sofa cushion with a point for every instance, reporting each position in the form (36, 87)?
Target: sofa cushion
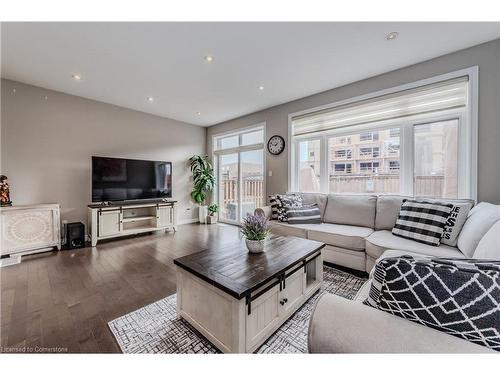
(388, 207)
(481, 218)
(316, 198)
(392, 253)
(379, 241)
(353, 209)
(489, 246)
(354, 259)
(346, 236)
(285, 229)
(422, 221)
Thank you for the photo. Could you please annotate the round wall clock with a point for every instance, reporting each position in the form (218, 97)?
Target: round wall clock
(276, 144)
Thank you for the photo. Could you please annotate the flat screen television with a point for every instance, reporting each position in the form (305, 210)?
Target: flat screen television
(116, 179)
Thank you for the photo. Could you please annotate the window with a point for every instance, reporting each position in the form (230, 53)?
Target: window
(364, 174)
(370, 167)
(368, 136)
(392, 148)
(418, 141)
(393, 166)
(394, 133)
(239, 164)
(343, 154)
(309, 166)
(252, 138)
(436, 155)
(372, 152)
(342, 168)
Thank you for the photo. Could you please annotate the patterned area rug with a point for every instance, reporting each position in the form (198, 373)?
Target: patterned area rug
(155, 328)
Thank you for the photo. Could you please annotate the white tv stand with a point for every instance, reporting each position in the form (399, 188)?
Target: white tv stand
(110, 220)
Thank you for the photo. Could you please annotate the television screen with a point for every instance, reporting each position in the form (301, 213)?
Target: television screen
(127, 179)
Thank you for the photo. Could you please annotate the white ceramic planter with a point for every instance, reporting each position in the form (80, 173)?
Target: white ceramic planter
(202, 214)
(255, 246)
(211, 219)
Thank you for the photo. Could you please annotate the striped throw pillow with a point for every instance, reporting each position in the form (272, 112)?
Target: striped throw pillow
(275, 203)
(422, 221)
(290, 200)
(308, 214)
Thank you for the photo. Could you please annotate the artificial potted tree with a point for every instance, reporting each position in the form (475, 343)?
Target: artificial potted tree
(203, 183)
(212, 211)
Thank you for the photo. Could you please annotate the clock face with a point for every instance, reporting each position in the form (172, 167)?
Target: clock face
(276, 145)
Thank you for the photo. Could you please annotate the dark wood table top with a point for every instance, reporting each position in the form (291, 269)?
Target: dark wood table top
(234, 270)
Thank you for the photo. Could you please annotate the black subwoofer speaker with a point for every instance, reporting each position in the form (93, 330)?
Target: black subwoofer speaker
(75, 235)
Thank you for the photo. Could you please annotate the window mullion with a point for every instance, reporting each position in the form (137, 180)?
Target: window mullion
(324, 177)
(406, 156)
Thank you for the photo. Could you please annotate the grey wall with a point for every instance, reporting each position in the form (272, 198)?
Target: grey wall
(46, 146)
(486, 56)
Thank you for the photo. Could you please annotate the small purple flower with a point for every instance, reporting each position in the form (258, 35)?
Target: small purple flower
(255, 227)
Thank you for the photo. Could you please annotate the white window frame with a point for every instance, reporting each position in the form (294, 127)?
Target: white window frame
(238, 150)
(467, 135)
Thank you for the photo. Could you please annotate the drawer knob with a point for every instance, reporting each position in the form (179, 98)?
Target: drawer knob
(282, 302)
(285, 300)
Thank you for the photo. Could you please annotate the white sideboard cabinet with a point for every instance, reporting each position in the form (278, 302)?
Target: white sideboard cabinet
(29, 229)
(117, 220)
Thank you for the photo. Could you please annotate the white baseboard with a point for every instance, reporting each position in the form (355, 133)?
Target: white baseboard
(188, 221)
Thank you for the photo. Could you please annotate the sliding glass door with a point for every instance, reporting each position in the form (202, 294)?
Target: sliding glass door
(252, 181)
(240, 173)
(228, 178)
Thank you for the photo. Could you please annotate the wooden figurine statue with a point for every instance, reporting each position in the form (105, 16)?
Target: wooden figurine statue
(4, 192)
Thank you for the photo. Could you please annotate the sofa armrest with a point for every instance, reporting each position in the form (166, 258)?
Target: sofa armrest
(339, 325)
(266, 211)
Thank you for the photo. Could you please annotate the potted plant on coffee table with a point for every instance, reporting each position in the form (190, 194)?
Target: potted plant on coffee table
(255, 229)
(203, 183)
(212, 210)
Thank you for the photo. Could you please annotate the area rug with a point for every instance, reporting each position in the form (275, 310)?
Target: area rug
(155, 328)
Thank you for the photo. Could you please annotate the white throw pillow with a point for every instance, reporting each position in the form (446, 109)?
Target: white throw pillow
(481, 218)
(489, 246)
(455, 222)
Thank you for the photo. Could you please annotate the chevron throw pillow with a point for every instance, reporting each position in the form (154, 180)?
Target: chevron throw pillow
(458, 296)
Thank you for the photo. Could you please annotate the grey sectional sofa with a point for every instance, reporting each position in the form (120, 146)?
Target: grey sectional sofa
(357, 231)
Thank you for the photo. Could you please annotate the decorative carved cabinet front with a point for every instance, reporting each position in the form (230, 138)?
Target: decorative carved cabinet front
(27, 228)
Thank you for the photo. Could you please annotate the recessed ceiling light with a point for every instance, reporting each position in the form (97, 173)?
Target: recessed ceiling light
(76, 77)
(261, 88)
(14, 91)
(209, 58)
(150, 99)
(198, 113)
(392, 35)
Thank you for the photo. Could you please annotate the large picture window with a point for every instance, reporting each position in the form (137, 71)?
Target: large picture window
(418, 142)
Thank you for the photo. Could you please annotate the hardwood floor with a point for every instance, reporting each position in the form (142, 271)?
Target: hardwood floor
(65, 299)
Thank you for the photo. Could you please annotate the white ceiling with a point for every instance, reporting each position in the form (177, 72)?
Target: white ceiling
(124, 63)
